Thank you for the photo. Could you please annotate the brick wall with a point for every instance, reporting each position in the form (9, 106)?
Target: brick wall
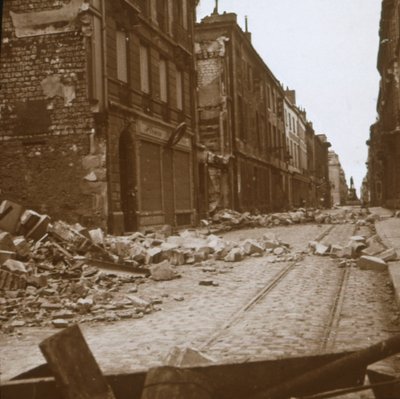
(45, 117)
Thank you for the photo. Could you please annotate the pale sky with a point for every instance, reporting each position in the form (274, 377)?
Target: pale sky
(327, 51)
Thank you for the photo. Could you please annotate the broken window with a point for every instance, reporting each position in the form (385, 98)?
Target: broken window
(122, 56)
(144, 69)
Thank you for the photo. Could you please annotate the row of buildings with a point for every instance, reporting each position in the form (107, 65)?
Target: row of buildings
(129, 114)
(382, 184)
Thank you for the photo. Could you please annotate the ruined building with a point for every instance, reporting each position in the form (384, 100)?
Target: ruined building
(383, 177)
(337, 178)
(97, 110)
(240, 119)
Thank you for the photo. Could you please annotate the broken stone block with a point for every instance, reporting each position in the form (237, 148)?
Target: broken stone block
(154, 255)
(251, 247)
(28, 221)
(6, 242)
(388, 255)
(346, 252)
(138, 302)
(97, 236)
(39, 230)
(37, 281)
(10, 281)
(336, 251)
(5, 255)
(177, 258)
(200, 255)
(84, 305)
(14, 266)
(163, 272)
(279, 251)
(18, 323)
(374, 246)
(235, 255)
(357, 247)
(60, 323)
(371, 263)
(10, 214)
(21, 246)
(319, 219)
(312, 245)
(321, 249)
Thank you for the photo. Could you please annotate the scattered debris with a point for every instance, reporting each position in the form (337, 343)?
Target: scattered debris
(371, 263)
(226, 219)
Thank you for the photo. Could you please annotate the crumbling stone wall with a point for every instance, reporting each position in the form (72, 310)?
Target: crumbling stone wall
(47, 136)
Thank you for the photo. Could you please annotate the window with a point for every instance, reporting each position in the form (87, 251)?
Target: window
(122, 57)
(161, 14)
(184, 14)
(153, 10)
(240, 118)
(170, 16)
(163, 80)
(144, 69)
(179, 89)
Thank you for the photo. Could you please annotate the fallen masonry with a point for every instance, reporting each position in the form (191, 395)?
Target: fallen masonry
(227, 219)
(54, 273)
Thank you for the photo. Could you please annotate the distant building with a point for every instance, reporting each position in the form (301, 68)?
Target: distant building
(337, 178)
(323, 189)
(295, 128)
(384, 143)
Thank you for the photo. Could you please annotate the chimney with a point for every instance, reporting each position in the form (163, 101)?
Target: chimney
(246, 31)
(291, 95)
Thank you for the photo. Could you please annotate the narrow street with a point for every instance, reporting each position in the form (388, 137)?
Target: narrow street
(258, 308)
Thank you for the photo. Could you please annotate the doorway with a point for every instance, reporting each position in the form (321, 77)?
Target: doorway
(128, 180)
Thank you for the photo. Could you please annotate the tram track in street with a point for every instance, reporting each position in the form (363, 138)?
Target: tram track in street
(261, 294)
(332, 326)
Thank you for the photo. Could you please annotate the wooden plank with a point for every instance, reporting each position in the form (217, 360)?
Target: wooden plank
(74, 366)
(231, 380)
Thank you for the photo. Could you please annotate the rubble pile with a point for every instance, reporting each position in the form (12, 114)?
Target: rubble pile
(57, 273)
(227, 219)
(365, 253)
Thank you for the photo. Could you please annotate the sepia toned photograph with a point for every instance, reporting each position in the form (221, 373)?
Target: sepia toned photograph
(200, 199)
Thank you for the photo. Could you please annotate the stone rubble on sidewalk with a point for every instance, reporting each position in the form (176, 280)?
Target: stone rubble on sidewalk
(54, 273)
(226, 219)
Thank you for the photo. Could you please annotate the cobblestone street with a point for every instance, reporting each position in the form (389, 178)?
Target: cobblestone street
(258, 310)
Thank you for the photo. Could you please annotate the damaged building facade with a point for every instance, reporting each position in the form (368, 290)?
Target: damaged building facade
(97, 111)
(240, 119)
(383, 178)
(262, 152)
